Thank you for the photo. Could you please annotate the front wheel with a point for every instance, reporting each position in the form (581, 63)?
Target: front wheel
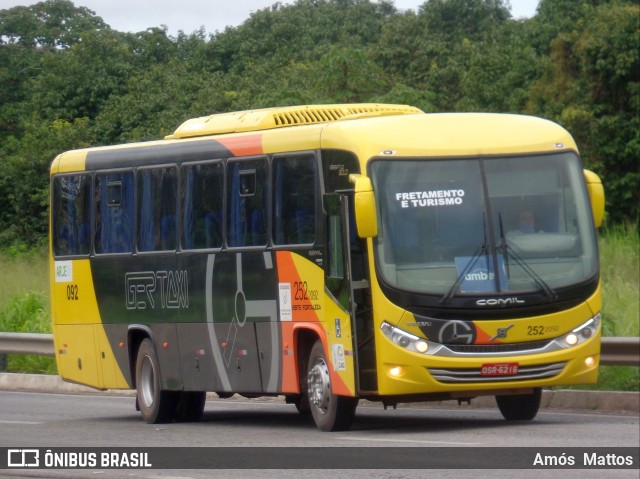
(330, 411)
(156, 405)
(521, 407)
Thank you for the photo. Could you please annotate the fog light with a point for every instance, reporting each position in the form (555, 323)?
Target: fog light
(589, 362)
(572, 339)
(395, 371)
(422, 346)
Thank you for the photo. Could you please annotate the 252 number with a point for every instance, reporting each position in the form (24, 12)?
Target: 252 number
(535, 330)
(540, 330)
(302, 293)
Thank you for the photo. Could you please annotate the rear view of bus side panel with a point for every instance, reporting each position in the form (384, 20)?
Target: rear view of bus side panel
(83, 352)
(211, 316)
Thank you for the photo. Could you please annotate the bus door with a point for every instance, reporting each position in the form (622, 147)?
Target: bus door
(340, 309)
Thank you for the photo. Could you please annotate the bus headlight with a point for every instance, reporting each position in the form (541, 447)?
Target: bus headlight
(407, 340)
(583, 332)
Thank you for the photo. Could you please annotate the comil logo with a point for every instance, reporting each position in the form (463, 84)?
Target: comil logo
(23, 458)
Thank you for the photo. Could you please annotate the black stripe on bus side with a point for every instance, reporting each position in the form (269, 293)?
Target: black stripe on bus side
(156, 154)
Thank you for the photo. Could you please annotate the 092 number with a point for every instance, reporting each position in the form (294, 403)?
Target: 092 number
(72, 292)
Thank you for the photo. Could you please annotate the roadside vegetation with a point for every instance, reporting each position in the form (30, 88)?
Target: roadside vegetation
(24, 306)
(619, 252)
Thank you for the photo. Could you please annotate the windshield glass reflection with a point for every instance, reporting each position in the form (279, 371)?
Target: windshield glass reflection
(489, 225)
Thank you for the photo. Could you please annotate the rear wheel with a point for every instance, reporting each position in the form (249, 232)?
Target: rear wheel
(521, 407)
(156, 405)
(330, 411)
(190, 406)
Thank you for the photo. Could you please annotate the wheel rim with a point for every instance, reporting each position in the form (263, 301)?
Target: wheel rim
(319, 386)
(147, 388)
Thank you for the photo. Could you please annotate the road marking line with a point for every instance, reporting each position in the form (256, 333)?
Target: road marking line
(20, 422)
(445, 443)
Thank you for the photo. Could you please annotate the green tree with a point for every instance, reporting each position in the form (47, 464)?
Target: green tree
(47, 25)
(24, 177)
(156, 101)
(590, 83)
(78, 82)
(436, 49)
(501, 71)
(460, 19)
(27, 34)
(299, 32)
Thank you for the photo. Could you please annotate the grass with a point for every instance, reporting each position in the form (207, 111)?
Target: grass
(27, 313)
(24, 302)
(620, 268)
(23, 273)
(619, 253)
(24, 306)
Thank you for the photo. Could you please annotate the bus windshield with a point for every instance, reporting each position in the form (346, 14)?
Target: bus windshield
(483, 225)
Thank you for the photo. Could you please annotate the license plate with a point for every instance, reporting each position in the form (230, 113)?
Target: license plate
(499, 369)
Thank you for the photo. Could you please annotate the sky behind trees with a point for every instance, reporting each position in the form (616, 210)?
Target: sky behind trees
(213, 15)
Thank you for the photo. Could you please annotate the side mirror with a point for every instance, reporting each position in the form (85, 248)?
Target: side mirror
(364, 206)
(596, 195)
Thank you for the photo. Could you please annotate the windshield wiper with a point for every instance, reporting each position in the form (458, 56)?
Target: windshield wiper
(472, 262)
(507, 249)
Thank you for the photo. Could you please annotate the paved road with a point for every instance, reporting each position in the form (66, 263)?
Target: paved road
(65, 420)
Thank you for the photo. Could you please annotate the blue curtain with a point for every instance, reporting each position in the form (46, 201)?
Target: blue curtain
(146, 240)
(279, 213)
(187, 214)
(237, 222)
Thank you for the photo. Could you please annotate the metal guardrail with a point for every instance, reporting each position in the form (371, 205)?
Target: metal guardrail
(615, 351)
(27, 343)
(620, 351)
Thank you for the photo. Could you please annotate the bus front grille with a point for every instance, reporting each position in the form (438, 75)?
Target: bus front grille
(498, 348)
(524, 373)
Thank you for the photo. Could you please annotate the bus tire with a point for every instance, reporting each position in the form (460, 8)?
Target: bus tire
(330, 412)
(301, 401)
(521, 407)
(190, 406)
(156, 405)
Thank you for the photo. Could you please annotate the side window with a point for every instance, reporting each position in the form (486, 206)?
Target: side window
(202, 199)
(337, 165)
(71, 215)
(114, 212)
(247, 203)
(294, 198)
(157, 201)
(336, 254)
(335, 271)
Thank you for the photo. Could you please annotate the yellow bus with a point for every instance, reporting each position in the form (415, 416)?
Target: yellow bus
(329, 253)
